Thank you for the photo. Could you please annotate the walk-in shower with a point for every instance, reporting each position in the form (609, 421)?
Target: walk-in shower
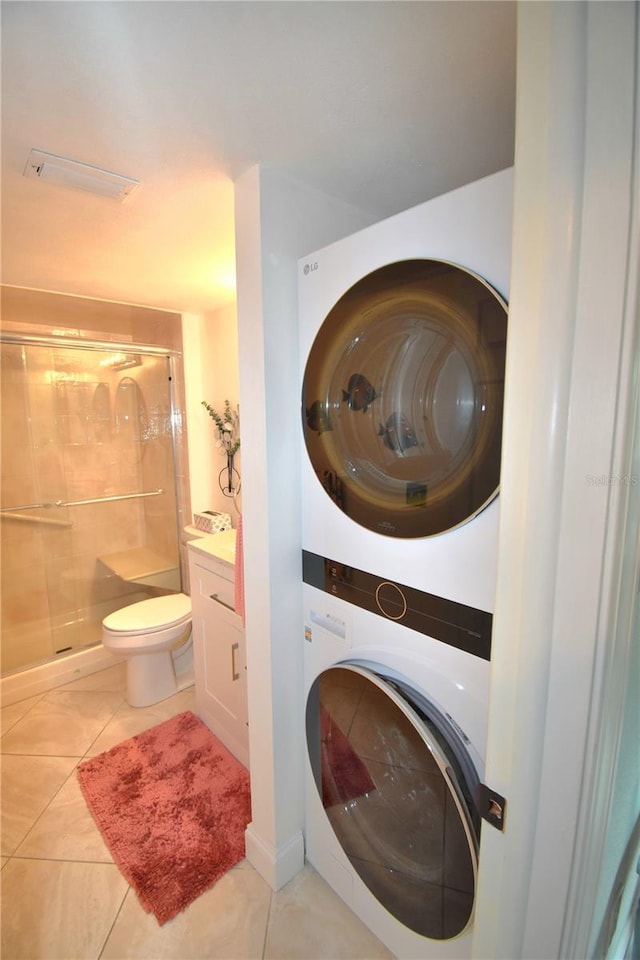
(89, 517)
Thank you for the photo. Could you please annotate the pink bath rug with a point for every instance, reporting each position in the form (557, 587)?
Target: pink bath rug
(172, 805)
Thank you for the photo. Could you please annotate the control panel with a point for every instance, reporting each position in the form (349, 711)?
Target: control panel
(450, 622)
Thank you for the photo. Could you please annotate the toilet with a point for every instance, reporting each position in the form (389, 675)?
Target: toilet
(151, 634)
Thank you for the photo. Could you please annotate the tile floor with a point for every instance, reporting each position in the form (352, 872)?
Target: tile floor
(64, 898)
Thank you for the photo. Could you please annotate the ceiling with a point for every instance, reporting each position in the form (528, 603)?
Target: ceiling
(381, 104)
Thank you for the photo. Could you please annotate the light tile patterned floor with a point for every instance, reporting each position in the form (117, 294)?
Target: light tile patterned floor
(64, 898)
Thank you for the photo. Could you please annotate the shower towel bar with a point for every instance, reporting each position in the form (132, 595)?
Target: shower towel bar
(80, 503)
(120, 496)
(29, 506)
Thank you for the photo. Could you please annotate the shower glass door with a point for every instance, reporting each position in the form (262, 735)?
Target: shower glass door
(88, 499)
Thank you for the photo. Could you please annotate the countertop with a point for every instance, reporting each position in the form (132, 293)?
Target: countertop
(219, 545)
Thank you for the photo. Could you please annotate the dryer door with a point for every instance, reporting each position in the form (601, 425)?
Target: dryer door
(397, 796)
(402, 398)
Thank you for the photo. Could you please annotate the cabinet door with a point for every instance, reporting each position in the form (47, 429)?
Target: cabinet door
(219, 657)
(222, 649)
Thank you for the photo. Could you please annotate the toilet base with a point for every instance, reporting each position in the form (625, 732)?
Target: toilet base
(150, 678)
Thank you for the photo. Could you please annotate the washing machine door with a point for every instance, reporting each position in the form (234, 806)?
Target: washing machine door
(402, 398)
(394, 781)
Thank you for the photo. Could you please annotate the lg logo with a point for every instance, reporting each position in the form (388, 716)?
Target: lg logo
(310, 268)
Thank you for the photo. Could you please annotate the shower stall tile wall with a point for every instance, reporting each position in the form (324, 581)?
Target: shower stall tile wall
(89, 475)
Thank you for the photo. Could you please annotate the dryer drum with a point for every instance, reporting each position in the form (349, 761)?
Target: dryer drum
(397, 795)
(402, 398)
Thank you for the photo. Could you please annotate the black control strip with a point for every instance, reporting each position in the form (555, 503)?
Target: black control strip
(452, 623)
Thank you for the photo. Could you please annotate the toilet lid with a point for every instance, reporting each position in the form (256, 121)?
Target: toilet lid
(149, 615)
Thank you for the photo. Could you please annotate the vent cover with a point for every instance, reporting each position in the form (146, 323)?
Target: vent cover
(80, 176)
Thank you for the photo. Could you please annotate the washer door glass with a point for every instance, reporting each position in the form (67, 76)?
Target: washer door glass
(396, 799)
(402, 398)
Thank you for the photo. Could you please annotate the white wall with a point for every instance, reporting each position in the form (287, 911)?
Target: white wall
(568, 357)
(570, 372)
(277, 221)
(210, 350)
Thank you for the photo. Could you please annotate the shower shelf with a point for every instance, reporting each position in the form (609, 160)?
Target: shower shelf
(143, 565)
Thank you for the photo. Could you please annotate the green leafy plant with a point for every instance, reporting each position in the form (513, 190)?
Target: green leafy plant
(227, 424)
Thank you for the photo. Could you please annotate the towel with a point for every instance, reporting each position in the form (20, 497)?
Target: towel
(238, 583)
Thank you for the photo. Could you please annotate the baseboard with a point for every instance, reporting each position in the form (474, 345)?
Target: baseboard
(47, 676)
(276, 866)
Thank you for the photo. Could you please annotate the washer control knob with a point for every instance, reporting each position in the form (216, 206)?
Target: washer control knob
(390, 600)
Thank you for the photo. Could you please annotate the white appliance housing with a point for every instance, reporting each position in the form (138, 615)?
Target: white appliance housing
(470, 227)
(337, 632)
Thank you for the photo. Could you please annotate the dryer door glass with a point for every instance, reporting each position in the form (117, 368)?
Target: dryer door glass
(402, 398)
(395, 798)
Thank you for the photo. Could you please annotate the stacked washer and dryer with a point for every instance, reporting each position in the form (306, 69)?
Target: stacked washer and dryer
(403, 338)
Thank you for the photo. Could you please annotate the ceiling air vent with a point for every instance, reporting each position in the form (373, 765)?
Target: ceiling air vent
(81, 176)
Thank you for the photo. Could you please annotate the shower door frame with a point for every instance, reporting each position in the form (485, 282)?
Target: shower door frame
(105, 346)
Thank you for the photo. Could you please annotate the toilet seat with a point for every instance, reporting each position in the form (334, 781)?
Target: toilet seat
(150, 616)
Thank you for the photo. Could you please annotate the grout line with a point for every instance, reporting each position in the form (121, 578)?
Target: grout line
(113, 923)
(266, 926)
(110, 720)
(36, 698)
(44, 756)
(50, 800)
(32, 858)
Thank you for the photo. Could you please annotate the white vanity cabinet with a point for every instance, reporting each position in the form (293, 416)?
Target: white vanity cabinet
(218, 646)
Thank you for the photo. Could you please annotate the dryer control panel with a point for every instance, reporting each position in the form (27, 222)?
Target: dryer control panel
(452, 623)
